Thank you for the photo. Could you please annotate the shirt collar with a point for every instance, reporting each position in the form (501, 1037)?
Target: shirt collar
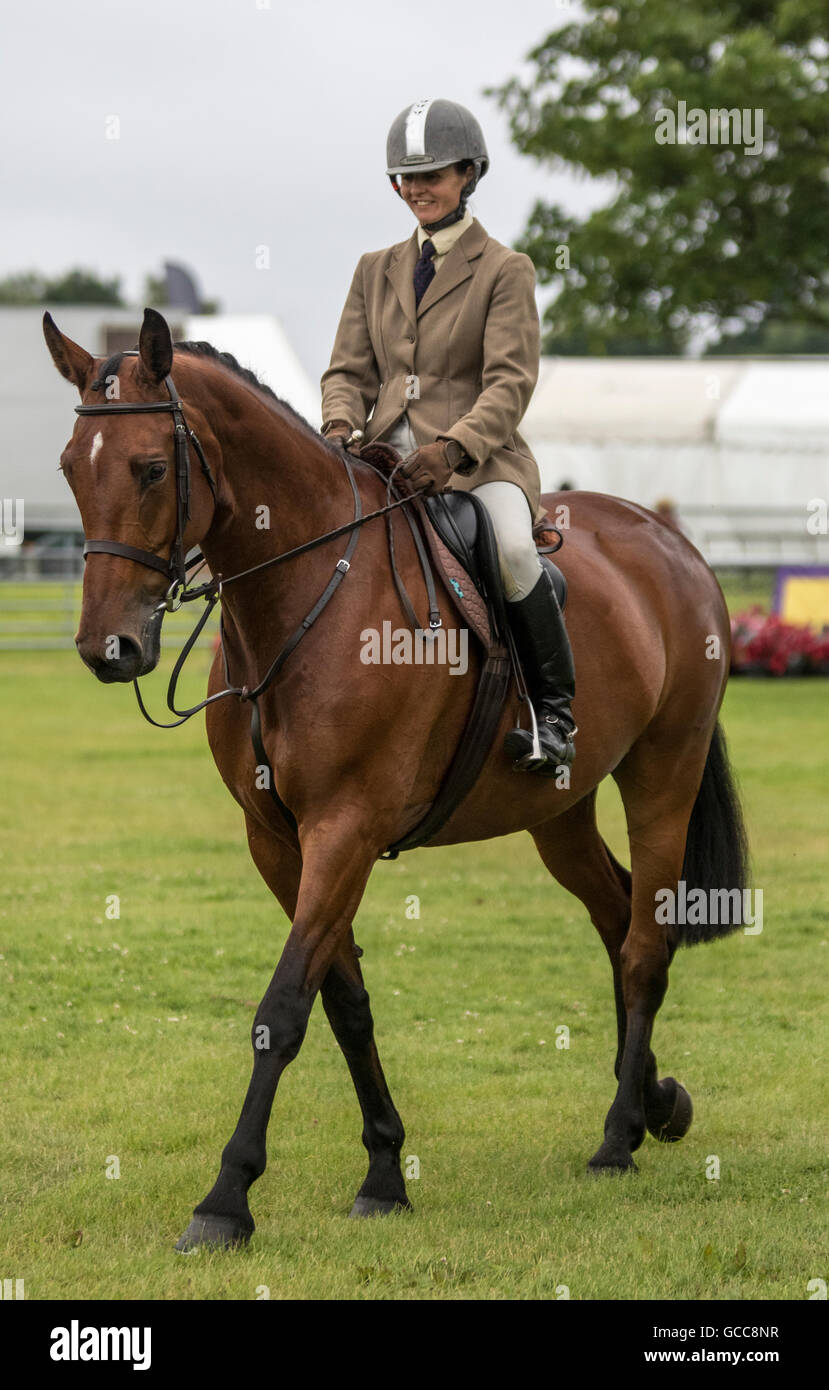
(445, 239)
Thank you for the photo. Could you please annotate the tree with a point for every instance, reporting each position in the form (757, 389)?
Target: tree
(773, 338)
(712, 118)
(73, 287)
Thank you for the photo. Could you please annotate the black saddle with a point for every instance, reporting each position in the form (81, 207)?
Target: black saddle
(465, 527)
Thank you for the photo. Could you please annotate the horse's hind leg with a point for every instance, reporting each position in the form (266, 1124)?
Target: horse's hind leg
(346, 1003)
(576, 855)
(658, 786)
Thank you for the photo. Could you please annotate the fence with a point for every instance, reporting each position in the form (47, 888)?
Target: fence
(42, 615)
(754, 537)
(40, 599)
(40, 584)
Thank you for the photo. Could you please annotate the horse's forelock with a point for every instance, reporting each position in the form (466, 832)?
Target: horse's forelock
(110, 369)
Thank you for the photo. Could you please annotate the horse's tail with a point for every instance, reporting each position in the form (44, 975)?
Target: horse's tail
(716, 851)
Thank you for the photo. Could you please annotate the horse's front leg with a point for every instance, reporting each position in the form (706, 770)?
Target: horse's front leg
(335, 868)
(346, 1003)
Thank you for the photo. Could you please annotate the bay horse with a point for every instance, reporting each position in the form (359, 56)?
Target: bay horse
(359, 750)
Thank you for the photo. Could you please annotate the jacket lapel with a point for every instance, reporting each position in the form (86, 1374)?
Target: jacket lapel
(456, 268)
(401, 276)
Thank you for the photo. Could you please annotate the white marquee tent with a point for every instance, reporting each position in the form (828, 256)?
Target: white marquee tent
(740, 445)
(36, 416)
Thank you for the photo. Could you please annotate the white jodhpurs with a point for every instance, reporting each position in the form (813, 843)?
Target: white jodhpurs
(511, 522)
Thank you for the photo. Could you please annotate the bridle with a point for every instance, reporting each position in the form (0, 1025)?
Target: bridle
(176, 567)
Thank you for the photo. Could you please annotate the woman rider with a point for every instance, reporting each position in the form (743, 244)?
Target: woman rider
(439, 344)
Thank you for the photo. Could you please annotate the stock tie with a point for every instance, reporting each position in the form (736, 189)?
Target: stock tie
(424, 271)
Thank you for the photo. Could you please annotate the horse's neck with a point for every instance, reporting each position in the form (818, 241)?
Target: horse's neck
(279, 486)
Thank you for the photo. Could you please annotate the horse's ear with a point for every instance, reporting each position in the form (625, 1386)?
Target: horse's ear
(72, 361)
(155, 347)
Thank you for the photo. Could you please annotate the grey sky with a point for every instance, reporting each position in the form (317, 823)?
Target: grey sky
(243, 126)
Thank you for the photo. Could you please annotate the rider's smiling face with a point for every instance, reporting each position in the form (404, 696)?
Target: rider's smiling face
(434, 194)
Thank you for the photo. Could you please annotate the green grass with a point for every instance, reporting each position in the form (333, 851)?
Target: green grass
(129, 1037)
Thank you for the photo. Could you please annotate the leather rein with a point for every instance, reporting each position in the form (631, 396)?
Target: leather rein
(177, 567)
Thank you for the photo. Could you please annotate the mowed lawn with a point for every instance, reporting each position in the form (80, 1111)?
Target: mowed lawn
(128, 1038)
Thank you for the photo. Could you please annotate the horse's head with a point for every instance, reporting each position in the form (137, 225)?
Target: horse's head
(121, 467)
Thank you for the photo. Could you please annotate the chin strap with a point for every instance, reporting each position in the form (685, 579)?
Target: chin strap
(448, 220)
(460, 210)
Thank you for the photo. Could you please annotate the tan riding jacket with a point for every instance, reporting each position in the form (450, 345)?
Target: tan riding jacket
(464, 363)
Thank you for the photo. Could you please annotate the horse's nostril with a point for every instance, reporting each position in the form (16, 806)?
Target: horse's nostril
(128, 650)
(117, 657)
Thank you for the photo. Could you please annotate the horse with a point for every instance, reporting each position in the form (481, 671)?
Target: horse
(358, 750)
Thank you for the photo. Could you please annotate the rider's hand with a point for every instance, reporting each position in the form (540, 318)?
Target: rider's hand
(428, 468)
(337, 432)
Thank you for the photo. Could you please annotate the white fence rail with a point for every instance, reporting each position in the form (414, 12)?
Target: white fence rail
(42, 615)
(754, 537)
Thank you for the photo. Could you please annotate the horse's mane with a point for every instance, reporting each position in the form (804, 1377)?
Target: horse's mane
(224, 359)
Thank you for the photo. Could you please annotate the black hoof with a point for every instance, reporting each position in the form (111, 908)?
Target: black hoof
(608, 1160)
(212, 1233)
(677, 1123)
(377, 1206)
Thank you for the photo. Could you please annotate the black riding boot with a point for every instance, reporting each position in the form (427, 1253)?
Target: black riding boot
(547, 661)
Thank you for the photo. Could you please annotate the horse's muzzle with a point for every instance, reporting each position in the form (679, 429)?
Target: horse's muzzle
(121, 657)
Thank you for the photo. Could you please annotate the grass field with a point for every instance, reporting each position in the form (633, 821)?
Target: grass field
(129, 1038)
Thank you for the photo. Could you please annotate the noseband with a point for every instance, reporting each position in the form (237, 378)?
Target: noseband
(175, 568)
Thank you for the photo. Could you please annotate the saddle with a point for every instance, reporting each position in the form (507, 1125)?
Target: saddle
(459, 535)
(465, 527)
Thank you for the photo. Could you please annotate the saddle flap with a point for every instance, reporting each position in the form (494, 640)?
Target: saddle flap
(465, 528)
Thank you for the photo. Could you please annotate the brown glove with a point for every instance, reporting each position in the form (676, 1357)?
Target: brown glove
(337, 430)
(428, 468)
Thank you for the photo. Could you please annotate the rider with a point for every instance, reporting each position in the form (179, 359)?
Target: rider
(439, 338)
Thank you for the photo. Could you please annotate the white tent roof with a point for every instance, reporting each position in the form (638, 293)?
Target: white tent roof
(259, 342)
(777, 406)
(738, 403)
(36, 416)
(647, 399)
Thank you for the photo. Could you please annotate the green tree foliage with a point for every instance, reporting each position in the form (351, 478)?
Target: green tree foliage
(75, 286)
(694, 233)
(78, 286)
(775, 338)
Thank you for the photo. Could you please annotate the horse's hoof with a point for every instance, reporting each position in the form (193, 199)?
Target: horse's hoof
(607, 1160)
(377, 1206)
(679, 1121)
(212, 1233)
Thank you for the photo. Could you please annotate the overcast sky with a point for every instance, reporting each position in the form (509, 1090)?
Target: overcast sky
(244, 126)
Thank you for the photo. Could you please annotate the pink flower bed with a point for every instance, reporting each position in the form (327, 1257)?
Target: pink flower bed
(762, 644)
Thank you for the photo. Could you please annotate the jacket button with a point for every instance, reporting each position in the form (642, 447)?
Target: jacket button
(410, 338)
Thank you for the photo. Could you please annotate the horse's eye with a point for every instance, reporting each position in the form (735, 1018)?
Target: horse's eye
(155, 472)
